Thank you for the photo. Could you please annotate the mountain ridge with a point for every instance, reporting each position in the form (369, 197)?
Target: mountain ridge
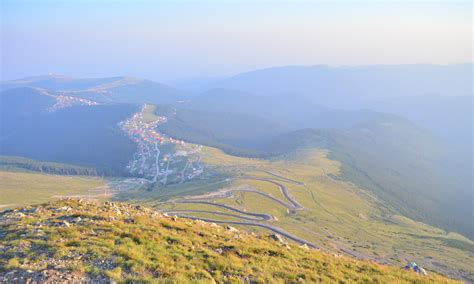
(121, 89)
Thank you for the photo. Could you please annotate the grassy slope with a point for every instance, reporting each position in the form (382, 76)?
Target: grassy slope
(92, 241)
(149, 113)
(339, 214)
(19, 188)
(9, 163)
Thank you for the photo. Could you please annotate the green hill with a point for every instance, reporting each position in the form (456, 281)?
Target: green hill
(30, 129)
(74, 240)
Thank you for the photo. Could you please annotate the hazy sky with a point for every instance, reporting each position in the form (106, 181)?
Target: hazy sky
(167, 40)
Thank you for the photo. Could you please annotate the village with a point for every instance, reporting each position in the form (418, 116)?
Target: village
(66, 101)
(160, 158)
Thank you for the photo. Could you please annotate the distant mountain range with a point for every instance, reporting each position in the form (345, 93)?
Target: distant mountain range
(328, 85)
(416, 157)
(438, 97)
(115, 89)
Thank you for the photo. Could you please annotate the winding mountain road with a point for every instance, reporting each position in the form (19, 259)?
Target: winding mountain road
(184, 211)
(284, 191)
(265, 226)
(249, 218)
(257, 216)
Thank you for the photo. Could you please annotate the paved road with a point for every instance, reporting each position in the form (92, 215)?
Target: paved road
(181, 212)
(228, 193)
(258, 216)
(254, 218)
(284, 191)
(265, 226)
(157, 163)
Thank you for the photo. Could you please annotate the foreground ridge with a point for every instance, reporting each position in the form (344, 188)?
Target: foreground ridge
(76, 240)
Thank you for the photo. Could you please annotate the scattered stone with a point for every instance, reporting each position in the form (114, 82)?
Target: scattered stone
(230, 228)
(65, 208)
(304, 246)
(279, 239)
(130, 221)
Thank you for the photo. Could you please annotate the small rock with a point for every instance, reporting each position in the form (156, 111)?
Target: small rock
(230, 228)
(279, 238)
(130, 221)
(11, 273)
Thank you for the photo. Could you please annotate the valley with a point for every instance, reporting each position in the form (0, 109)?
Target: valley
(236, 142)
(358, 184)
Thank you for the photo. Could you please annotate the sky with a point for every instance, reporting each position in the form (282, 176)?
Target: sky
(174, 40)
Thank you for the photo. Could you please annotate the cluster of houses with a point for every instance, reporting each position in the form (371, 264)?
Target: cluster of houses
(141, 131)
(67, 101)
(178, 164)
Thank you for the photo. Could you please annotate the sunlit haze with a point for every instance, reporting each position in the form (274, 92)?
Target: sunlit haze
(236, 141)
(167, 40)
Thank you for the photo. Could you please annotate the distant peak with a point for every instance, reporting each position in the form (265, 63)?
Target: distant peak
(49, 76)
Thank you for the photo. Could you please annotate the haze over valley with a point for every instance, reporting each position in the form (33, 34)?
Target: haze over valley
(268, 167)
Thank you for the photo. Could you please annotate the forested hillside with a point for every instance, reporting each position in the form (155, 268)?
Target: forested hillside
(82, 135)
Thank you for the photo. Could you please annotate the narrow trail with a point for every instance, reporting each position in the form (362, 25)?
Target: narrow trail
(285, 178)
